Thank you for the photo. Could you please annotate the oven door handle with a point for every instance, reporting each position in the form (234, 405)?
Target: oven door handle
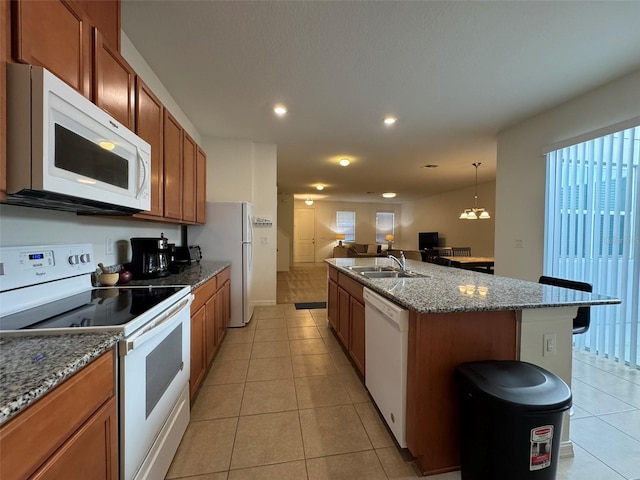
(144, 335)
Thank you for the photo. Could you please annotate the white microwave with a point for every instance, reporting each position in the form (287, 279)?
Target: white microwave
(65, 153)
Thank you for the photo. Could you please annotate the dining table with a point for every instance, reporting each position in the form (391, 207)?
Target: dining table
(481, 263)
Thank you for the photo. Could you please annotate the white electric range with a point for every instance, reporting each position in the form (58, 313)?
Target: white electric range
(48, 289)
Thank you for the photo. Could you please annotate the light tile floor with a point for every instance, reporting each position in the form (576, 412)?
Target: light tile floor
(282, 401)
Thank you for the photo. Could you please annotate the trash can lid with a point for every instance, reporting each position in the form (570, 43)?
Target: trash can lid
(520, 384)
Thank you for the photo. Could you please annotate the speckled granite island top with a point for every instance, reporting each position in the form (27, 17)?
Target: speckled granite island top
(447, 289)
(193, 275)
(31, 366)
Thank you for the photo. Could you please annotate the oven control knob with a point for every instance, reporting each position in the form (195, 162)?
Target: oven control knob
(85, 258)
(74, 259)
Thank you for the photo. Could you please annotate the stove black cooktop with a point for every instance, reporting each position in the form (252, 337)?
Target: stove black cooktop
(100, 307)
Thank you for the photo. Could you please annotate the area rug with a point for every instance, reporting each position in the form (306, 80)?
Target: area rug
(310, 305)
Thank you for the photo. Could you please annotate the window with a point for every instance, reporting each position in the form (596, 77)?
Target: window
(592, 234)
(384, 225)
(346, 223)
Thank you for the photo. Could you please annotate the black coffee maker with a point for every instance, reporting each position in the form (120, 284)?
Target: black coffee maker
(150, 257)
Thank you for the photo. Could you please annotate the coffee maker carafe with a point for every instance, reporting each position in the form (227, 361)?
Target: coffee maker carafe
(149, 257)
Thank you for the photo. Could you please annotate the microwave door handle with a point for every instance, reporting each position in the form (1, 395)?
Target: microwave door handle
(138, 339)
(143, 168)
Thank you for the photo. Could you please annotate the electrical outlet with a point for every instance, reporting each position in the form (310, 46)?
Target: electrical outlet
(548, 344)
(108, 246)
(518, 243)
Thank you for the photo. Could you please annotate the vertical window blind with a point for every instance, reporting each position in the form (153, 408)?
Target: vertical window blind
(592, 234)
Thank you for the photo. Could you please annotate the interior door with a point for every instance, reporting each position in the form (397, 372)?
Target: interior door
(304, 233)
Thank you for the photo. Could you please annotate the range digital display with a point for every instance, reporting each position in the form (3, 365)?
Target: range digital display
(36, 256)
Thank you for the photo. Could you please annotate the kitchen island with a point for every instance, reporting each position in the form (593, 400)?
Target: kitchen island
(455, 316)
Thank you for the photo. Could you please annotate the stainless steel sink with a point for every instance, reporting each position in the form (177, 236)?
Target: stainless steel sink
(392, 274)
(370, 268)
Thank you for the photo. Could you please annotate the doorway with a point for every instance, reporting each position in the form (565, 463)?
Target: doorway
(304, 233)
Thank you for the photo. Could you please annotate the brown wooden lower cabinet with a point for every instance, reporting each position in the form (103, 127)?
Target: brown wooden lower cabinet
(71, 432)
(437, 344)
(345, 310)
(209, 321)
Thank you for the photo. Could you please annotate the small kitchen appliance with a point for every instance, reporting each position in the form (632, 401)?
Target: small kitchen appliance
(150, 257)
(47, 289)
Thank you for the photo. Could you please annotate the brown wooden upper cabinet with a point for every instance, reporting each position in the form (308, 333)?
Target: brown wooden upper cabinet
(113, 81)
(54, 34)
(172, 167)
(149, 118)
(189, 152)
(201, 187)
(5, 30)
(105, 15)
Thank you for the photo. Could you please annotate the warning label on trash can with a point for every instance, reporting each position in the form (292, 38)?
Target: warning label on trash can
(541, 440)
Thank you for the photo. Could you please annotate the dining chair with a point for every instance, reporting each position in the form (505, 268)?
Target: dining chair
(461, 251)
(583, 318)
(442, 261)
(413, 255)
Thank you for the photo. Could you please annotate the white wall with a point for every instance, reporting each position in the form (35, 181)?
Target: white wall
(243, 170)
(325, 213)
(35, 226)
(439, 213)
(520, 184)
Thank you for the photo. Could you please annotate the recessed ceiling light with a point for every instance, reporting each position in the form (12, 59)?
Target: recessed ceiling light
(389, 194)
(390, 120)
(319, 187)
(280, 110)
(344, 162)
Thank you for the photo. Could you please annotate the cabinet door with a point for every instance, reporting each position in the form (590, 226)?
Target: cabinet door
(149, 128)
(172, 167)
(356, 337)
(92, 452)
(343, 316)
(4, 56)
(198, 353)
(54, 34)
(211, 336)
(226, 304)
(201, 187)
(113, 81)
(189, 150)
(105, 15)
(332, 305)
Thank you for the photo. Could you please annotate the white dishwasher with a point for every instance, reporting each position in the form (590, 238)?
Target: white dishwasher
(386, 336)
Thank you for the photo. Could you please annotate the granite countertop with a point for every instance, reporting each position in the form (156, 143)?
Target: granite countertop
(447, 289)
(193, 275)
(32, 365)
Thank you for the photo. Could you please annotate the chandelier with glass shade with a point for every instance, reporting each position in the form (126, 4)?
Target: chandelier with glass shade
(475, 212)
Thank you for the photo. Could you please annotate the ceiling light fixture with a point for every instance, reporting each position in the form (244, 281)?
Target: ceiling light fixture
(344, 162)
(280, 110)
(319, 187)
(475, 212)
(389, 195)
(390, 120)
(308, 201)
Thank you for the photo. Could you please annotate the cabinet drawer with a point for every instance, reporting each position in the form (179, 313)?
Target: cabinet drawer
(350, 285)
(223, 276)
(333, 274)
(204, 293)
(29, 439)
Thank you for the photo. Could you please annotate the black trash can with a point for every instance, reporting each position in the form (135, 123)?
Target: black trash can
(511, 420)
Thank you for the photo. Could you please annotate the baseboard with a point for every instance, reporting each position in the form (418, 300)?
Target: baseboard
(566, 449)
(264, 303)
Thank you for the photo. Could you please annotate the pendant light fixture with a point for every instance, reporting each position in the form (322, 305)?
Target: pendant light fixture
(309, 201)
(475, 212)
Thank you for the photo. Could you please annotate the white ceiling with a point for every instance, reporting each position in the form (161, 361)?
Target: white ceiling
(455, 73)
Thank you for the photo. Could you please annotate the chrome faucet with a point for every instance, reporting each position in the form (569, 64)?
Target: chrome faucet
(402, 263)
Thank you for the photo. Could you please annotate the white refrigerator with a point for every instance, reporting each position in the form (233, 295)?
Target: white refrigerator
(228, 236)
